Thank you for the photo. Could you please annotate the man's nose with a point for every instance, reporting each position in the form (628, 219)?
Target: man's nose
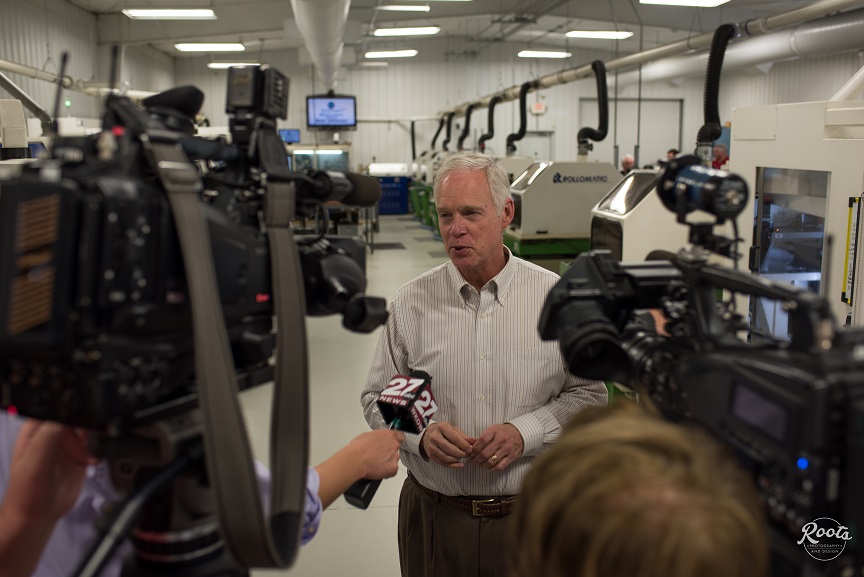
(458, 227)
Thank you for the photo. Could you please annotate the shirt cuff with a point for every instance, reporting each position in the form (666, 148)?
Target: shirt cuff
(533, 431)
(313, 510)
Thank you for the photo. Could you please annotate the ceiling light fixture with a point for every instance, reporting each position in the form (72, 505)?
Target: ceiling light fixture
(689, 3)
(372, 65)
(170, 13)
(225, 65)
(391, 54)
(543, 54)
(418, 31)
(210, 47)
(404, 7)
(599, 34)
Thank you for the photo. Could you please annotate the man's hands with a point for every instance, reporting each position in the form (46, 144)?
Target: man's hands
(448, 445)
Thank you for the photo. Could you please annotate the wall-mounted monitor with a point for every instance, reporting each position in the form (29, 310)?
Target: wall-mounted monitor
(331, 112)
(289, 135)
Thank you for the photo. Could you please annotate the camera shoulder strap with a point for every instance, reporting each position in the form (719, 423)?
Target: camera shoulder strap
(228, 454)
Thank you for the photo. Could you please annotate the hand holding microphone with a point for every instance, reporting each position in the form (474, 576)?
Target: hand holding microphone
(406, 405)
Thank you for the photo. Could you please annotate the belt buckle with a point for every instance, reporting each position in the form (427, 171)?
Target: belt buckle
(475, 502)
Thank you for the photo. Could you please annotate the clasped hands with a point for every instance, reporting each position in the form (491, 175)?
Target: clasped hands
(495, 449)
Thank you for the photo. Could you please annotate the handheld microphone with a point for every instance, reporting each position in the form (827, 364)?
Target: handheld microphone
(407, 405)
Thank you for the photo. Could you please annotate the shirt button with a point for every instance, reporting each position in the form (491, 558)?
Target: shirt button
(483, 316)
(482, 357)
(482, 399)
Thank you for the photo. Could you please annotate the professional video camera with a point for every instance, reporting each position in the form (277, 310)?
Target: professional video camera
(142, 272)
(791, 411)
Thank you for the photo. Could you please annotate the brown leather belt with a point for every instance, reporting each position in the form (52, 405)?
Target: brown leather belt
(477, 506)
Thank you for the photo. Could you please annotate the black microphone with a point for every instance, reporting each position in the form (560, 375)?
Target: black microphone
(349, 188)
(407, 405)
(366, 190)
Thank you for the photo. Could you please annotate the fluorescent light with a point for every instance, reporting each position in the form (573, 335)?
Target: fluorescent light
(372, 65)
(696, 3)
(391, 54)
(210, 47)
(404, 7)
(224, 65)
(170, 13)
(599, 34)
(419, 31)
(329, 152)
(543, 54)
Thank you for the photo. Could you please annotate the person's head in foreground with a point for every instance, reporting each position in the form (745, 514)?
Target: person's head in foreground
(623, 493)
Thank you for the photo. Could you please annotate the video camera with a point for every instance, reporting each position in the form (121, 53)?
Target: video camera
(148, 275)
(792, 412)
(95, 317)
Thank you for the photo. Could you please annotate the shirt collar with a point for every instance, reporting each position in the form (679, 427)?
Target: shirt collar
(499, 284)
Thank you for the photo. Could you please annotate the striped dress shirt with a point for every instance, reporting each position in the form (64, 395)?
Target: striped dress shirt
(488, 366)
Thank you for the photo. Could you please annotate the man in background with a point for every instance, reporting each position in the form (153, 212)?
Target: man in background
(721, 156)
(627, 163)
(503, 394)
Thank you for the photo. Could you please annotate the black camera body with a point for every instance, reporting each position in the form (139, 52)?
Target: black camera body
(792, 412)
(95, 322)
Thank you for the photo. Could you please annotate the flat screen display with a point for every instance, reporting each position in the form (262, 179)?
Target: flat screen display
(289, 135)
(760, 412)
(331, 112)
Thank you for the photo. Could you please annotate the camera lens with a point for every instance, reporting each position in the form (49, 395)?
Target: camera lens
(589, 343)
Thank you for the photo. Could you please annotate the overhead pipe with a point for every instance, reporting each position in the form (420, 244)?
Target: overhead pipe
(413, 141)
(585, 134)
(837, 33)
(322, 25)
(28, 103)
(750, 28)
(466, 128)
(711, 130)
(481, 143)
(523, 117)
(437, 132)
(449, 117)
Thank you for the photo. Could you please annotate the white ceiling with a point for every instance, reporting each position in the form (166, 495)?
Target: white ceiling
(470, 27)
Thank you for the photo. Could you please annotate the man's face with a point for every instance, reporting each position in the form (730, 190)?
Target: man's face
(627, 163)
(470, 227)
(719, 152)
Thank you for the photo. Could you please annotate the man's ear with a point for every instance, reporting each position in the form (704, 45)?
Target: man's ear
(508, 213)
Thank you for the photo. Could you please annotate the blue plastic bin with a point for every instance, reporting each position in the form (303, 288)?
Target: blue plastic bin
(394, 194)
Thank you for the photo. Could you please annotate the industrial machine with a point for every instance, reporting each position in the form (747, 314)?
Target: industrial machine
(803, 163)
(515, 165)
(553, 202)
(625, 221)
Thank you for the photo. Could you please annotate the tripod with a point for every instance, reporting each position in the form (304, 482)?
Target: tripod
(161, 466)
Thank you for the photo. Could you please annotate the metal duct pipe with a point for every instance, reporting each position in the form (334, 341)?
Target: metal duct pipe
(833, 34)
(754, 27)
(444, 144)
(466, 129)
(322, 25)
(481, 144)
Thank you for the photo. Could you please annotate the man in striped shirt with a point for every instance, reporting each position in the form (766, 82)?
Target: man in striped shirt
(503, 394)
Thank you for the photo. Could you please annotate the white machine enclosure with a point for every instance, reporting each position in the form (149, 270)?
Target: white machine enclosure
(554, 199)
(514, 166)
(803, 164)
(631, 221)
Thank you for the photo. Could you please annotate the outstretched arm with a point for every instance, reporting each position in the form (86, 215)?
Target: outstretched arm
(371, 455)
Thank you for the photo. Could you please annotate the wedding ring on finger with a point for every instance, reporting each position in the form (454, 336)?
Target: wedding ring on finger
(494, 458)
